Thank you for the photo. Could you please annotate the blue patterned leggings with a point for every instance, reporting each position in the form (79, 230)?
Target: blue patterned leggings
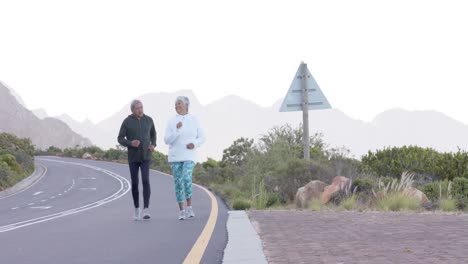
(182, 172)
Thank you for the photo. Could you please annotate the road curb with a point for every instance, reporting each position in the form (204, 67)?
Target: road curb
(26, 183)
(244, 245)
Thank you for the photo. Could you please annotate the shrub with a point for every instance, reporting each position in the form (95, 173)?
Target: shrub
(363, 186)
(16, 159)
(460, 192)
(437, 190)
(241, 204)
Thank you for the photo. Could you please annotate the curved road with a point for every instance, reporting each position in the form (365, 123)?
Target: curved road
(81, 212)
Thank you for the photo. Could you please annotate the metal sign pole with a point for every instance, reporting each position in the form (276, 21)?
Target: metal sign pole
(305, 112)
(304, 94)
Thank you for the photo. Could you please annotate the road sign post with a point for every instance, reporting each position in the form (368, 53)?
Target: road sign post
(304, 94)
(305, 111)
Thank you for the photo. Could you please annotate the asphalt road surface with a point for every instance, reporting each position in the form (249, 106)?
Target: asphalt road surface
(81, 211)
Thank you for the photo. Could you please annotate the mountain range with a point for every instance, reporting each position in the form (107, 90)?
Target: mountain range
(16, 119)
(232, 117)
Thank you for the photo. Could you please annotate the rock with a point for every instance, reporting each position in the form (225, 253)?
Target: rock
(338, 183)
(311, 190)
(415, 193)
(86, 155)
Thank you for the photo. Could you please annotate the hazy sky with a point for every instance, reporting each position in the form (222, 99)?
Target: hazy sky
(89, 58)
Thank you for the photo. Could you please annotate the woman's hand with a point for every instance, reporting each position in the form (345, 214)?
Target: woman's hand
(179, 125)
(190, 146)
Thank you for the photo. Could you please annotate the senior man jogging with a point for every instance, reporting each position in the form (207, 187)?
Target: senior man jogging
(138, 134)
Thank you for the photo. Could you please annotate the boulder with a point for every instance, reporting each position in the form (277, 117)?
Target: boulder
(415, 193)
(86, 155)
(311, 190)
(338, 183)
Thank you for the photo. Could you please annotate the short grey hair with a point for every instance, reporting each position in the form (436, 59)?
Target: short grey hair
(183, 99)
(134, 103)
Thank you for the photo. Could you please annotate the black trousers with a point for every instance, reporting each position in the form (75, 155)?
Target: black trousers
(145, 168)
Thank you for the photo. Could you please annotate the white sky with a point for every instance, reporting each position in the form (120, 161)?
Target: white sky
(89, 58)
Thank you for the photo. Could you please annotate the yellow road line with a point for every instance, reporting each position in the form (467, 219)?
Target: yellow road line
(196, 253)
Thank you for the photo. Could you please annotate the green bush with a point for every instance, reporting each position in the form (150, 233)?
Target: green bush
(16, 159)
(426, 163)
(160, 162)
(460, 192)
(363, 186)
(273, 199)
(241, 204)
(437, 190)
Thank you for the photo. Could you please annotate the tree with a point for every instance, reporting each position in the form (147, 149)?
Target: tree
(237, 153)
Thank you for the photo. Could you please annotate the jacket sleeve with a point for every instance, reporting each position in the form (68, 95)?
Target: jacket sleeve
(172, 133)
(121, 138)
(153, 134)
(200, 139)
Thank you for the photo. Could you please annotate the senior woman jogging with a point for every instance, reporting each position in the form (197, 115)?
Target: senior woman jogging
(183, 135)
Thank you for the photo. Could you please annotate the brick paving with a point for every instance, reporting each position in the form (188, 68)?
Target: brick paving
(368, 237)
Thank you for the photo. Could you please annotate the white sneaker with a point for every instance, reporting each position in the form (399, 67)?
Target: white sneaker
(137, 215)
(190, 212)
(182, 214)
(146, 214)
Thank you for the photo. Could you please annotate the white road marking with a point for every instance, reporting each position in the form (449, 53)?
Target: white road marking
(30, 203)
(37, 193)
(86, 189)
(121, 192)
(88, 178)
(14, 208)
(43, 200)
(59, 194)
(41, 207)
(53, 197)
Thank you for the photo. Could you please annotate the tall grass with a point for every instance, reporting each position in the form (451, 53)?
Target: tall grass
(397, 202)
(259, 195)
(394, 186)
(349, 203)
(448, 205)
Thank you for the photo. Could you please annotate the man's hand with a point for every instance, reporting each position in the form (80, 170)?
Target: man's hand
(190, 146)
(135, 143)
(151, 148)
(179, 125)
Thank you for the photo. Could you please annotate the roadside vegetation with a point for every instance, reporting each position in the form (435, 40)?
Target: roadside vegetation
(16, 159)
(117, 154)
(268, 172)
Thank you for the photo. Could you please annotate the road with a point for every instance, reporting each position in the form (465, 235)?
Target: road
(81, 212)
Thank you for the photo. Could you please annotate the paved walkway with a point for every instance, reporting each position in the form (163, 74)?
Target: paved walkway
(371, 237)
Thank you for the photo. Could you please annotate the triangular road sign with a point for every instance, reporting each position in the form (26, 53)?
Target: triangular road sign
(294, 101)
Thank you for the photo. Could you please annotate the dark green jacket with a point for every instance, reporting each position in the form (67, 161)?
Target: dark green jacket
(142, 130)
